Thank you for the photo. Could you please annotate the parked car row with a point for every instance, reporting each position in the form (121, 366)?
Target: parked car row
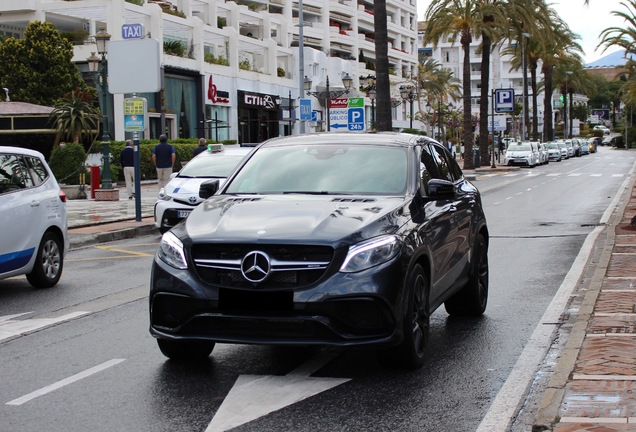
(533, 153)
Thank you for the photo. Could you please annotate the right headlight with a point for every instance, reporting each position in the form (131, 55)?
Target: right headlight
(371, 253)
(171, 251)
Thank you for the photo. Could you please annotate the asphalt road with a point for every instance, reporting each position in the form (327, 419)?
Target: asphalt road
(79, 356)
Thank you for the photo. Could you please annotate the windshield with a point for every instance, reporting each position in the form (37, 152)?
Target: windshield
(210, 166)
(323, 169)
(552, 146)
(519, 147)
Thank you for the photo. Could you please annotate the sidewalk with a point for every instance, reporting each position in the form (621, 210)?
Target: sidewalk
(91, 222)
(593, 387)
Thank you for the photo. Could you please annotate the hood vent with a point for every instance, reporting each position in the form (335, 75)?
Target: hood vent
(354, 200)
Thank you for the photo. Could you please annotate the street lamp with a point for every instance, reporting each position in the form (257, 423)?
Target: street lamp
(367, 85)
(99, 68)
(408, 93)
(566, 129)
(327, 95)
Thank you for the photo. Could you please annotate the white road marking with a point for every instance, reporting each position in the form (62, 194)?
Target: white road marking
(10, 327)
(596, 175)
(574, 174)
(58, 385)
(255, 396)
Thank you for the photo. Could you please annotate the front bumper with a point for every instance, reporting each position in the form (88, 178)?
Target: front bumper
(341, 309)
(167, 213)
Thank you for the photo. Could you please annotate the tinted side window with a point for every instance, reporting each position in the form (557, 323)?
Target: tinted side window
(37, 170)
(14, 174)
(440, 157)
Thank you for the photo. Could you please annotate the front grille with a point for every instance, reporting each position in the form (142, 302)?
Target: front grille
(292, 266)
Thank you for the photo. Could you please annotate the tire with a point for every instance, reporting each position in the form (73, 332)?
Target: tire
(49, 262)
(185, 350)
(473, 298)
(410, 353)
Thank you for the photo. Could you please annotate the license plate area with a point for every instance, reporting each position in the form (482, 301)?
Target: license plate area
(255, 301)
(183, 213)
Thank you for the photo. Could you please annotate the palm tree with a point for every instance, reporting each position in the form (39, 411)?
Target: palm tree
(437, 83)
(455, 19)
(383, 85)
(75, 117)
(624, 37)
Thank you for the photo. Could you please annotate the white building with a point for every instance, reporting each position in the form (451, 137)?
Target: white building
(230, 69)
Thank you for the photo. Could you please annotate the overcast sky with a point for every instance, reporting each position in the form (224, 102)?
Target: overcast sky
(586, 21)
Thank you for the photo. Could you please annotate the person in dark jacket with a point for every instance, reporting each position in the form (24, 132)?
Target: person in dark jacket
(127, 161)
(200, 148)
(163, 156)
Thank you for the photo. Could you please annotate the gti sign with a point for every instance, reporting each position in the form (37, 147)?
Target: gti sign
(504, 100)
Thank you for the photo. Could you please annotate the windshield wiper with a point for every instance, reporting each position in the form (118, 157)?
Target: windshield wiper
(307, 192)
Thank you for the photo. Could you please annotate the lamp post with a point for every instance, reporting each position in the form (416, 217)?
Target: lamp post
(566, 129)
(367, 85)
(328, 94)
(408, 93)
(524, 84)
(99, 68)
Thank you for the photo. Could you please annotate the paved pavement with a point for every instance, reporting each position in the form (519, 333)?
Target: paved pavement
(593, 385)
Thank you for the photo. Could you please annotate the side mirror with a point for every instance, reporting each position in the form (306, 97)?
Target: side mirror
(437, 188)
(208, 188)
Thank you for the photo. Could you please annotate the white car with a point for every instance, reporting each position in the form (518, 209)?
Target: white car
(605, 129)
(522, 154)
(181, 195)
(554, 152)
(34, 237)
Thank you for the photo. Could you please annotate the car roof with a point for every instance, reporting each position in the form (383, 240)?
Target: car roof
(353, 138)
(21, 150)
(233, 150)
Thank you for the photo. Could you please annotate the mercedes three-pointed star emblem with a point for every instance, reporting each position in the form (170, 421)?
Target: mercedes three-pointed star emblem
(256, 266)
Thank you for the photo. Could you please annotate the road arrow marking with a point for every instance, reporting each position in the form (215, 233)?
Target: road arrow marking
(254, 396)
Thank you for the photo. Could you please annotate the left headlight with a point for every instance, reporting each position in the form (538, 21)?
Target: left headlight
(371, 253)
(171, 251)
(163, 196)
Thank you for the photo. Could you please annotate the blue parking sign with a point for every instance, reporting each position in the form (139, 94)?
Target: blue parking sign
(504, 100)
(355, 119)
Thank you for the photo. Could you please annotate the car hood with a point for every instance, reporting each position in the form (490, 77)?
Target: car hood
(334, 220)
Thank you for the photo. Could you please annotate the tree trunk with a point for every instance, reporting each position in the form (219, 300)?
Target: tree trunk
(535, 111)
(483, 102)
(383, 118)
(467, 134)
(548, 126)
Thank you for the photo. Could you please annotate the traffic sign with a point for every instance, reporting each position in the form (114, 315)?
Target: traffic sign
(135, 114)
(132, 31)
(504, 100)
(305, 110)
(347, 113)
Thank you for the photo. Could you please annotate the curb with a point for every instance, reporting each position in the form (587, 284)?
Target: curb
(83, 240)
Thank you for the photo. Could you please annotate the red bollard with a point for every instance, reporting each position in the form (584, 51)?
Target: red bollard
(95, 180)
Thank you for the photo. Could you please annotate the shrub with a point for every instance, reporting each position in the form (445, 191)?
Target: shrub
(280, 72)
(67, 162)
(174, 47)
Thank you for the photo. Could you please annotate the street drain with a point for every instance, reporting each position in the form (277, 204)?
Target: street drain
(593, 225)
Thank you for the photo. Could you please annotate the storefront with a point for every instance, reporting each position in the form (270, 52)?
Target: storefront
(216, 124)
(258, 117)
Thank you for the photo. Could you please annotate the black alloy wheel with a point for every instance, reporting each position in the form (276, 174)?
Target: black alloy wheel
(473, 298)
(185, 350)
(49, 262)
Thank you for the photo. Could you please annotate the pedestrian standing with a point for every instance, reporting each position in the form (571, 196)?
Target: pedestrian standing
(200, 148)
(127, 161)
(163, 156)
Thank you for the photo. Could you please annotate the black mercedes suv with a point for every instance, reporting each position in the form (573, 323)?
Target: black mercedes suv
(343, 239)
